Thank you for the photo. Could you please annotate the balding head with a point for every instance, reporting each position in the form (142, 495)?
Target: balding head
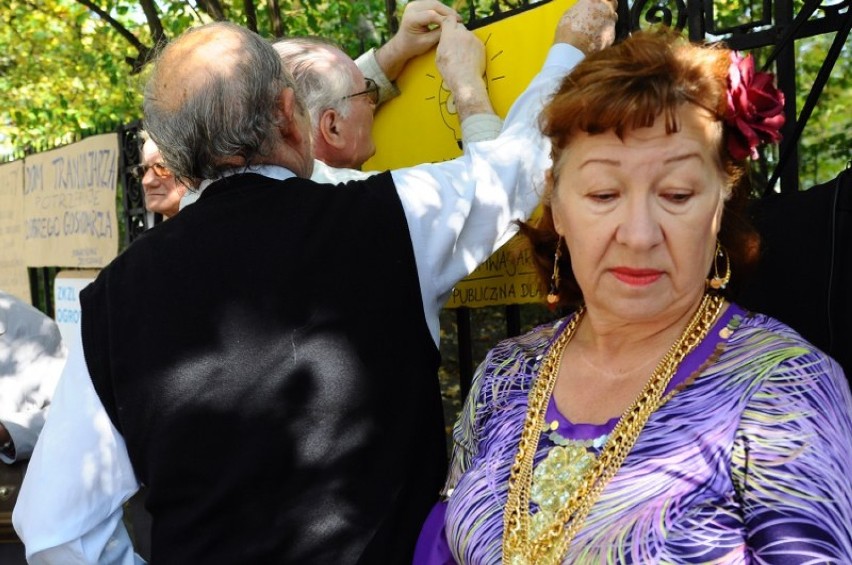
(190, 63)
(339, 100)
(214, 101)
(323, 74)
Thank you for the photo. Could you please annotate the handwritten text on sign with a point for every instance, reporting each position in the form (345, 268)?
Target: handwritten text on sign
(69, 204)
(13, 270)
(507, 277)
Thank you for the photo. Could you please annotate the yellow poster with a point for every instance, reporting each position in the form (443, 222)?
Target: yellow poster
(422, 126)
(69, 204)
(13, 271)
(507, 277)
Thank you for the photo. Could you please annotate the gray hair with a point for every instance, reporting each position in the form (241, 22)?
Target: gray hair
(226, 116)
(319, 88)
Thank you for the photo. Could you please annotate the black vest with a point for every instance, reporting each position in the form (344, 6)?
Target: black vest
(266, 358)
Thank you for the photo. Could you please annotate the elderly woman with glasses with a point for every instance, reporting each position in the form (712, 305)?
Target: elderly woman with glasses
(163, 192)
(659, 422)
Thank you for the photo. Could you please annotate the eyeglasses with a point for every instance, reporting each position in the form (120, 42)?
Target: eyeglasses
(372, 91)
(138, 171)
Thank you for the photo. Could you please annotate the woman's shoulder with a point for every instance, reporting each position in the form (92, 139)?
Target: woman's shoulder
(762, 331)
(787, 386)
(770, 349)
(532, 343)
(511, 365)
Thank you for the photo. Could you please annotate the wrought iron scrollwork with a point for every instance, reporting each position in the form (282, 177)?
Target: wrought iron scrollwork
(656, 12)
(746, 21)
(481, 13)
(833, 9)
(135, 216)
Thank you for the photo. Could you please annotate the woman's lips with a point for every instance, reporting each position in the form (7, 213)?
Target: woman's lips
(636, 277)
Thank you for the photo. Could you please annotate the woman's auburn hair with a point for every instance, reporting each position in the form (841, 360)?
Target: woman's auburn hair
(630, 85)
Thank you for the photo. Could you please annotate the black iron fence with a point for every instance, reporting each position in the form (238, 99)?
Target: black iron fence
(769, 25)
(762, 24)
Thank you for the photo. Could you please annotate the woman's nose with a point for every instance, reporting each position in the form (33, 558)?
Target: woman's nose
(639, 226)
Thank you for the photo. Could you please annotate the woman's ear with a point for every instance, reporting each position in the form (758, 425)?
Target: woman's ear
(557, 222)
(548, 187)
(720, 212)
(549, 198)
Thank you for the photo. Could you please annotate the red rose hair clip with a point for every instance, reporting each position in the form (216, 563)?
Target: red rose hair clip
(755, 108)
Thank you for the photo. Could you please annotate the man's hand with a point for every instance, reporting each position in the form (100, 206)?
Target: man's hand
(461, 61)
(419, 31)
(589, 25)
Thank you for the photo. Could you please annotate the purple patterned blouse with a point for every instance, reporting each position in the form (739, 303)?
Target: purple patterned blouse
(749, 462)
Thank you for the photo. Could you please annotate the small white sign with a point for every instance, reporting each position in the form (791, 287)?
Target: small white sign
(66, 299)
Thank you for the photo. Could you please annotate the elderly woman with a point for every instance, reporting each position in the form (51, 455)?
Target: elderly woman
(659, 423)
(163, 192)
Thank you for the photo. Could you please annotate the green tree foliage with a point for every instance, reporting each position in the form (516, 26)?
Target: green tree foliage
(826, 145)
(60, 74)
(73, 67)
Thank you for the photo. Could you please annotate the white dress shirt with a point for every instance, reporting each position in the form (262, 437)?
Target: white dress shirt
(477, 127)
(459, 212)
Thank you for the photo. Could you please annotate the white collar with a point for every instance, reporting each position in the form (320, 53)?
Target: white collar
(270, 171)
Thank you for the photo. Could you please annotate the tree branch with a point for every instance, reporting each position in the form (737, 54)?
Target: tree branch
(214, 8)
(146, 53)
(251, 15)
(275, 18)
(154, 23)
(123, 31)
(390, 10)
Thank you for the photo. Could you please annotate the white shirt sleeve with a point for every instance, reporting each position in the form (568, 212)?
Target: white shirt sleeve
(481, 127)
(459, 212)
(69, 510)
(370, 68)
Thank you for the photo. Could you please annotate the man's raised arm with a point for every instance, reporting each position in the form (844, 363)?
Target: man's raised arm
(461, 211)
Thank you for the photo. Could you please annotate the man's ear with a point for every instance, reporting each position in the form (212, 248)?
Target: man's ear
(288, 109)
(329, 128)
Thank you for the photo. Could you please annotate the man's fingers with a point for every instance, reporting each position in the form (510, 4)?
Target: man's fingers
(431, 19)
(427, 14)
(434, 6)
(450, 23)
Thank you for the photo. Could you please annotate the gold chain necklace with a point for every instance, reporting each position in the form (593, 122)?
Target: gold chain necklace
(551, 545)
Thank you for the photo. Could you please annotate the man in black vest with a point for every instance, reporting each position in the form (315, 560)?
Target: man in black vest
(265, 362)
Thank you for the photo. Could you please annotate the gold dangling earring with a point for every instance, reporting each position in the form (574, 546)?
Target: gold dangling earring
(717, 282)
(553, 294)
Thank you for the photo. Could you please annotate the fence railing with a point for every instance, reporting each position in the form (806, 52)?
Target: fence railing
(763, 25)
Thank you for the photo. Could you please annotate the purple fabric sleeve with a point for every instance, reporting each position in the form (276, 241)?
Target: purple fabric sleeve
(432, 548)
